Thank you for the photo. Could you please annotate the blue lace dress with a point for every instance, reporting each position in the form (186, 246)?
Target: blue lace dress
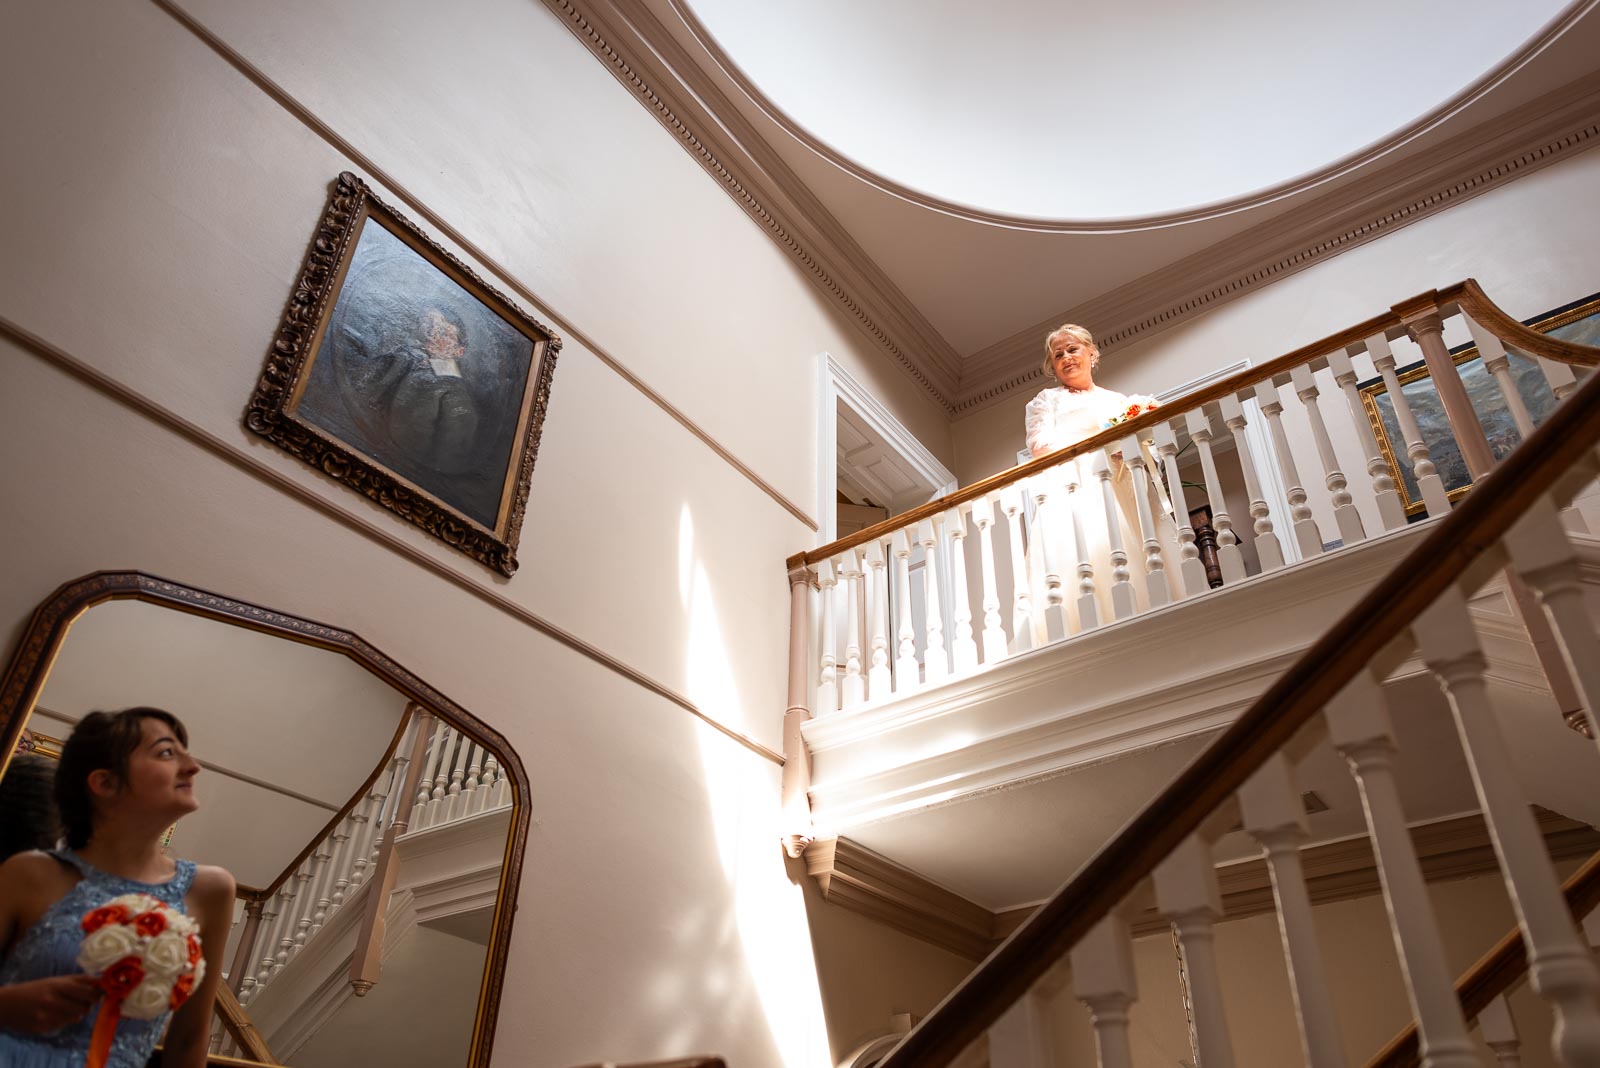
(50, 947)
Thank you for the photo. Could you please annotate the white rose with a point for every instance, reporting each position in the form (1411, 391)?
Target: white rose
(148, 1000)
(184, 925)
(199, 971)
(135, 903)
(166, 955)
(103, 948)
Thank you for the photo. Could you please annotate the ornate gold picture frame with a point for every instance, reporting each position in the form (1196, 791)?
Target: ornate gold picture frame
(402, 374)
(1578, 321)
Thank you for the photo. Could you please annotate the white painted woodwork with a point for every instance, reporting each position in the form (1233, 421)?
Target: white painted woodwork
(1268, 551)
(1229, 558)
(1190, 569)
(1023, 1037)
(935, 662)
(878, 672)
(827, 698)
(1088, 606)
(905, 661)
(1427, 476)
(1011, 500)
(1563, 382)
(1123, 604)
(963, 650)
(1275, 816)
(1047, 495)
(855, 683)
(1499, 1033)
(1560, 966)
(994, 635)
(1390, 510)
(1187, 894)
(1306, 534)
(1359, 728)
(1345, 515)
(1545, 558)
(1154, 568)
(1498, 363)
(1103, 979)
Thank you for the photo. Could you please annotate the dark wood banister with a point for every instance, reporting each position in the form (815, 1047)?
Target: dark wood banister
(1496, 970)
(1467, 295)
(1454, 546)
(238, 1024)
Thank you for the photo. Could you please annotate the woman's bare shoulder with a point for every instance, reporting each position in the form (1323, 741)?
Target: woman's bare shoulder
(31, 868)
(212, 883)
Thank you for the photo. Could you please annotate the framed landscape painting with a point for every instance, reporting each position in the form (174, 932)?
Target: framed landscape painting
(402, 374)
(1578, 321)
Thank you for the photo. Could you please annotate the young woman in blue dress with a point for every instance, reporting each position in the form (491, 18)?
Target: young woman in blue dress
(122, 780)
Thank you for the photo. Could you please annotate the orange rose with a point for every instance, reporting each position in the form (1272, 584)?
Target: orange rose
(182, 989)
(149, 924)
(194, 950)
(103, 915)
(119, 980)
(1132, 412)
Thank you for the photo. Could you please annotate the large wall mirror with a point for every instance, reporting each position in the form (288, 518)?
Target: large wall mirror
(375, 828)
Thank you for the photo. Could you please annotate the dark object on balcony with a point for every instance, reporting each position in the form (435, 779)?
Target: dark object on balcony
(1205, 539)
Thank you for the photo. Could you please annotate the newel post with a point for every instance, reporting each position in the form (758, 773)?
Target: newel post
(366, 962)
(796, 762)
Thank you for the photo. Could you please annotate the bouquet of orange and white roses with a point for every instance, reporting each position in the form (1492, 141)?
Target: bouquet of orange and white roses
(148, 958)
(1138, 404)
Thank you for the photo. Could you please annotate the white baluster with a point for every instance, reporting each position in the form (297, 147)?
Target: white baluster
(1268, 551)
(306, 907)
(878, 673)
(271, 925)
(1275, 816)
(470, 788)
(322, 885)
(501, 795)
(1122, 600)
(963, 650)
(1088, 603)
(1044, 539)
(430, 768)
(994, 635)
(1542, 554)
(455, 800)
(1229, 558)
(1351, 529)
(1390, 511)
(1560, 966)
(340, 865)
(1306, 534)
(855, 683)
(1187, 894)
(935, 664)
(1498, 364)
(286, 926)
(360, 828)
(1422, 467)
(1499, 1033)
(1190, 569)
(1021, 596)
(905, 662)
(1157, 592)
(1359, 728)
(1103, 979)
(828, 676)
(1563, 383)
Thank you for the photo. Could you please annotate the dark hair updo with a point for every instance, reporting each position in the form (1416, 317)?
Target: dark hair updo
(101, 740)
(27, 811)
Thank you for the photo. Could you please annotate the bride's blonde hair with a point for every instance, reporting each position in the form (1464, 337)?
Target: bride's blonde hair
(1072, 330)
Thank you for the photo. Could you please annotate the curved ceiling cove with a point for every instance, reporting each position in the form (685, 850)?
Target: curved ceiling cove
(1027, 110)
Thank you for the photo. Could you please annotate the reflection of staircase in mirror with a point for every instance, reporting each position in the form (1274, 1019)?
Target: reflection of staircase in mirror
(431, 928)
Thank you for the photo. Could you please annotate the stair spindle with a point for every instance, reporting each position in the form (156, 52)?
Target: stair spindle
(1499, 1033)
(905, 663)
(935, 662)
(1045, 533)
(1021, 595)
(1390, 510)
(827, 699)
(963, 650)
(1229, 558)
(855, 683)
(1123, 604)
(1351, 529)
(1188, 895)
(1103, 978)
(1268, 551)
(1077, 506)
(1306, 535)
(1190, 569)
(994, 635)
(1154, 569)
(1428, 482)
(879, 677)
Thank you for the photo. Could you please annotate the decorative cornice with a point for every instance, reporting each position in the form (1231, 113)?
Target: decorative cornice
(646, 59)
(1458, 847)
(1530, 137)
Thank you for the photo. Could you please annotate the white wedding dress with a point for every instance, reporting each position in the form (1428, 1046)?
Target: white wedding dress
(1059, 417)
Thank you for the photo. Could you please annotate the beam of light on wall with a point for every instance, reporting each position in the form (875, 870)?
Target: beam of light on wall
(768, 911)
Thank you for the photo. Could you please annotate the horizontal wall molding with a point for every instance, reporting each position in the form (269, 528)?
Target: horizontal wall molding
(244, 461)
(360, 160)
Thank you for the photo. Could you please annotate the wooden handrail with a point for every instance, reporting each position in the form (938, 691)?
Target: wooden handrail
(1496, 970)
(237, 1023)
(1467, 295)
(1455, 545)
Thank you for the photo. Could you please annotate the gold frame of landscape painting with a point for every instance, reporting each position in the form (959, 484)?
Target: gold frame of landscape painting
(32, 658)
(400, 373)
(1578, 321)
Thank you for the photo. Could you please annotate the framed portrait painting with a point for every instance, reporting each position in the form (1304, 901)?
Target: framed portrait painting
(401, 373)
(1578, 321)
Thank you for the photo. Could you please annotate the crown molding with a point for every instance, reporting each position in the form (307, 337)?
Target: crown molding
(661, 74)
(1555, 126)
(1456, 847)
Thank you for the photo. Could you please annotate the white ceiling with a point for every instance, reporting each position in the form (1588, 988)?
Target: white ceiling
(960, 177)
(1094, 111)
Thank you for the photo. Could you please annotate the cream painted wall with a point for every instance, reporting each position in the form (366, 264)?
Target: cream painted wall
(1533, 243)
(162, 203)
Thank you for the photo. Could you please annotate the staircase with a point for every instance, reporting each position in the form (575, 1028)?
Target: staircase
(900, 705)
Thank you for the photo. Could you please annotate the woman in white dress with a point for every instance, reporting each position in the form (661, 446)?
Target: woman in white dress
(1066, 414)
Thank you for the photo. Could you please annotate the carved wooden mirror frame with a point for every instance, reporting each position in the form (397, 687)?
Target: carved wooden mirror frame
(30, 664)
